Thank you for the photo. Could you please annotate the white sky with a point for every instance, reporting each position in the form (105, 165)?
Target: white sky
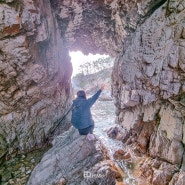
(78, 58)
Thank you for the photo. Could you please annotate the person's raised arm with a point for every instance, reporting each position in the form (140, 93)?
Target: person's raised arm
(93, 99)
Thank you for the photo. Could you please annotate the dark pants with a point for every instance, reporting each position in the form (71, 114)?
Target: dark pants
(87, 130)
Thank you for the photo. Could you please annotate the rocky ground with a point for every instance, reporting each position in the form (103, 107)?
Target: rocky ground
(71, 156)
(73, 160)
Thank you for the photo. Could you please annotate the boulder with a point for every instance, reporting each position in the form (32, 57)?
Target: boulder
(74, 159)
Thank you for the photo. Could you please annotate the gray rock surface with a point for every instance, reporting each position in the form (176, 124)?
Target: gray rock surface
(74, 159)
(67, 159)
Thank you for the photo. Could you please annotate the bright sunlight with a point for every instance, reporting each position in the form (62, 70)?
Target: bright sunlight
(78, 58)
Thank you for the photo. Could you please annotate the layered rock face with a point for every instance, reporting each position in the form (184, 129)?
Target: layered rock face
(148, 86)
(34, 74)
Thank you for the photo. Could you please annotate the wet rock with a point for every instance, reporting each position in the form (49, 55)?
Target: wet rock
(11, 182)
(22, 169)
(121, 155)
(33, 161)
(117, 132)
(28, 172)
(15, 169)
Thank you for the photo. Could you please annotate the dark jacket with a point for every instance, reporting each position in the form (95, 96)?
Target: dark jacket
(81, 113)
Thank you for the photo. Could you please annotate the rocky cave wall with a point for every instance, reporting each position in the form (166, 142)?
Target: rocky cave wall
(35, 71)
(147, 36)
(149, 91)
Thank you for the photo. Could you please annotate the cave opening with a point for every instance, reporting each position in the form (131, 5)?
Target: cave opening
(80, 60)
(90, 71)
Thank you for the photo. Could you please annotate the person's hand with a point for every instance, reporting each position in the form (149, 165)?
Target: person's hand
(102, 86)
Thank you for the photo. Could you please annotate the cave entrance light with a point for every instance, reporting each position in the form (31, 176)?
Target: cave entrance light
(90, 71)
(78, 59)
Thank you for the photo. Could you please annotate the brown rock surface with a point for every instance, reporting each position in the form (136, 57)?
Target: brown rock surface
(101, 26)
(157, 172)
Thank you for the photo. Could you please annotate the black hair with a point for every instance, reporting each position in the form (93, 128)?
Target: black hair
(81, 94)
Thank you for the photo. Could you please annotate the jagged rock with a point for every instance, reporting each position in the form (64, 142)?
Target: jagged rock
(166, 142)
(146, 80)
(35, 75)
(162, 147)
(157, 172)
(117, 132)
(121, 155)
(178, 179)
(130, 119)
(144, 136)
(137, 132)
(103, 173)
(171, 122)
(34, 63)
(83, 22)
(62, 181)
(72, 158)
(150, 72)
(150, 111)
(183, 163)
